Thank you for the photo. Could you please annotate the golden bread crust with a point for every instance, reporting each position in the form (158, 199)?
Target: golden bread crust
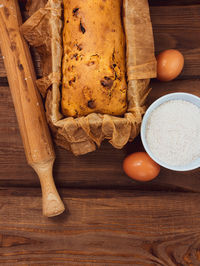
(94, 58)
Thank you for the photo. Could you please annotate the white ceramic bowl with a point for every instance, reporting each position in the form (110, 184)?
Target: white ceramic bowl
(172, 96)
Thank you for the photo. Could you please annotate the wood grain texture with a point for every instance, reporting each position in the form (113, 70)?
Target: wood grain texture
(108, 222)
(2, 68)
(173, 2)
(101, 169)
(179, 29)
(36, 63)
(21, 76)
(101, 227)
(28, 105)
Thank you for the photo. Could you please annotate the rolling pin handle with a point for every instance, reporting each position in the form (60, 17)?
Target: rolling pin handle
(51, 201)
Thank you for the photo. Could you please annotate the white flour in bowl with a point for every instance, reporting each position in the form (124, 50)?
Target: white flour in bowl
(173, 132)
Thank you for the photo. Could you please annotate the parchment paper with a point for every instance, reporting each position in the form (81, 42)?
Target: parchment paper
(43, 30)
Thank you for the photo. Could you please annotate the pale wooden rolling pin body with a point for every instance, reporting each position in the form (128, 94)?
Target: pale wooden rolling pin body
(28, 105)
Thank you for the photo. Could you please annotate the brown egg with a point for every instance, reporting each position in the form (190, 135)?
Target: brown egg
(169, 65)
(141, 167)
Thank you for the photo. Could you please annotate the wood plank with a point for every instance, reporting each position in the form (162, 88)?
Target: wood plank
(178, 28)
(169, 24)
(101, 169)
(173, 2)
(101, 228)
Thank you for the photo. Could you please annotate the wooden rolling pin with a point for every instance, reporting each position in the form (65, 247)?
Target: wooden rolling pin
(28, 105)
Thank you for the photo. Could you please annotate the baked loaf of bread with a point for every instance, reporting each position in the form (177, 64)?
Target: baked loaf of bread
(93, 65)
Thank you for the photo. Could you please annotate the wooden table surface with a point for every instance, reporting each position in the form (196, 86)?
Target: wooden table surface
(110, 219)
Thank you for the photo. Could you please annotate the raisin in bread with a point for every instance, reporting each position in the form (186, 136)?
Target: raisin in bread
(93, 65)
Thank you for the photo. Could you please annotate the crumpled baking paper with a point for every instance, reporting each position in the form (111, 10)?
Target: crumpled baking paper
(43, 30)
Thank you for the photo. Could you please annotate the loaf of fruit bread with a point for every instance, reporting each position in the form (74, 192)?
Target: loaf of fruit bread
(93, 65)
